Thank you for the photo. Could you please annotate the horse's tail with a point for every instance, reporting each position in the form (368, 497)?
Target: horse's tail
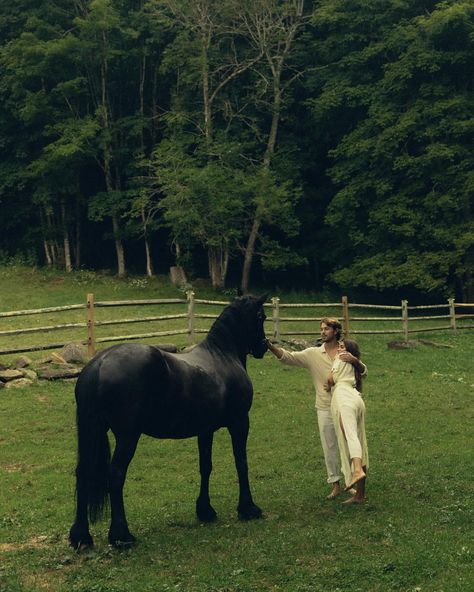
(93, 451)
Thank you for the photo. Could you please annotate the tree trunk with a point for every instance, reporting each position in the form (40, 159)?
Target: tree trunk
(77, 237)
(66, 243)
(47, 251)
(272, 136)
(249, 253)
(218, 258)
(149, 262)
(205, 88)
(118, 247)
(50, 233)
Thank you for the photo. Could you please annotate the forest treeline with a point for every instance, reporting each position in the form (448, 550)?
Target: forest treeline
(325, 141)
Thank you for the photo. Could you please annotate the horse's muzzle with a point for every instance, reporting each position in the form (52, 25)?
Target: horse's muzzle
(260, 349)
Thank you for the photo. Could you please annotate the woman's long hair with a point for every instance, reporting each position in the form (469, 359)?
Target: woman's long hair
(353, 348)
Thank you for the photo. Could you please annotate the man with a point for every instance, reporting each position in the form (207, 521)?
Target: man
(318, 360)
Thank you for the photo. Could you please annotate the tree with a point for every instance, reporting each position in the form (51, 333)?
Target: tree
(202, 203)
(404, 209)
(271, 27)
(43, 95)
(208, 54)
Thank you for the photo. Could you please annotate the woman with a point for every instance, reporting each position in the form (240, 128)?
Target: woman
(348, 412)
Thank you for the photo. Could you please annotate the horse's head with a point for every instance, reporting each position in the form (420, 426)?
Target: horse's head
(252, 318)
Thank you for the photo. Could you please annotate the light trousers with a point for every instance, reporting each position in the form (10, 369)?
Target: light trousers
(328, 436)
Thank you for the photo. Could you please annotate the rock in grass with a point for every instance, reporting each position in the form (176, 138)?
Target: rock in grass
(402, 344)
(18, 383)
(7, 375)
(22, 362)
(66, 371)
(31, 374)
(57, 358)
(74, 352)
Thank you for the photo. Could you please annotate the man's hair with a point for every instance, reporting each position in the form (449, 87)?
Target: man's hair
(334, 324)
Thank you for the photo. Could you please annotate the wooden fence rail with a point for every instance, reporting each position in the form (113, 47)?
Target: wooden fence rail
(405, 316)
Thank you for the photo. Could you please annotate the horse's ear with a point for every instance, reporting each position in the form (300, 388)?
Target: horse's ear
(263, 298)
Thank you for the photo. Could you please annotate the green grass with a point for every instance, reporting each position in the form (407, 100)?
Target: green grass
(414, 533)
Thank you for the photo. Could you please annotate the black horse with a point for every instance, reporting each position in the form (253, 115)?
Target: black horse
(135, 389)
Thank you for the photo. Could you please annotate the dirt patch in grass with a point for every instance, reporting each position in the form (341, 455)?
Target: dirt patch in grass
(17, 468)
(38, 542)
(48, 581)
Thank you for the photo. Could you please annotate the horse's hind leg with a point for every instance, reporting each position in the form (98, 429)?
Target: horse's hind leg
(119, 534)
(204, 510)
(79, 535)
(239, 431)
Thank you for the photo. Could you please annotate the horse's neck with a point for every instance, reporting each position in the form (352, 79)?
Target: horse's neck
(226, 336)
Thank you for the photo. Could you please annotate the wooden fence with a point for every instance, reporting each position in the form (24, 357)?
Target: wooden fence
(401, 317)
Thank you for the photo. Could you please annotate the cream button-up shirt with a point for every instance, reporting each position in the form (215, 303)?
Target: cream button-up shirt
(319, 363)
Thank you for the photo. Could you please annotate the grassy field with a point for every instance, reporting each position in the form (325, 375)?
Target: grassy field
(414, 534)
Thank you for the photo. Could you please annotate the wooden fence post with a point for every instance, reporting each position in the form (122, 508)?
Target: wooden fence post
(276, 319)
(452, 314)
(90, 325)
(191, 336)
(345, 316)
(405, 319)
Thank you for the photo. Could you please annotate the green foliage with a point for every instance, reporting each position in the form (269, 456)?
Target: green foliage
(405, 168)
(202, 203)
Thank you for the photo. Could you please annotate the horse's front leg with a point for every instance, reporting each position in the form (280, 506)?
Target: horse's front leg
(239, 431)
(119, 534)
(204, 510)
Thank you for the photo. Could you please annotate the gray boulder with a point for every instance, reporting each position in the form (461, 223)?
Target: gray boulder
(75, 353)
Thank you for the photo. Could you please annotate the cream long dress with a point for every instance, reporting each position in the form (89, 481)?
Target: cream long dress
(348, 407)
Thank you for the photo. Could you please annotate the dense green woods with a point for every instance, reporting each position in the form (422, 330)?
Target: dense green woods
(316, 142)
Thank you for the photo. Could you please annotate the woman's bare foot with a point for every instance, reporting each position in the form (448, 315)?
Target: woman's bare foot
(335, 491)
(356, 477)
(354, 500)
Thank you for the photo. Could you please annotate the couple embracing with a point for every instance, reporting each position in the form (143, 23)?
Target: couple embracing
(337, 371)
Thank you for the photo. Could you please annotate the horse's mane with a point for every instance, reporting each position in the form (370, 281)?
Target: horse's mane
(227, 327)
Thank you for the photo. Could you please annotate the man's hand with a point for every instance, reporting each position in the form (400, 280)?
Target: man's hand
(348, 357)
(276, 351)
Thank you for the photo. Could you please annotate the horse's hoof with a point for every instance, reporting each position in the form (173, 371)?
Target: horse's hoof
(80, 542)
(207, 514)
(252, 512)
(123, 545)
(123, 542)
